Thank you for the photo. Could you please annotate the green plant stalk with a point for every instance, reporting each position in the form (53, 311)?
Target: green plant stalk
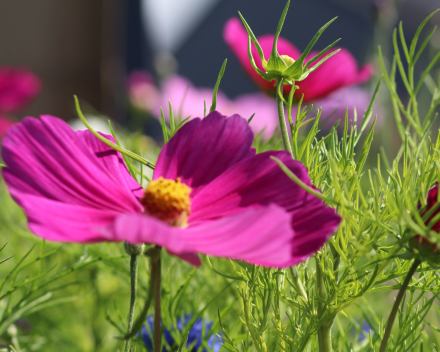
(324, 331)
(298, 284)
(282, 119)
(157, 330)
(278, 313)
(395, 309)
(134, 264)
(154, 254)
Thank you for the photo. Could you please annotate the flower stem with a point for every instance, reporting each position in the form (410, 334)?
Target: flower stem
(325, 330)
(396, 305)
(282, 119)
(134, 261)
(157, 330)
(298, 284)
(154, 254)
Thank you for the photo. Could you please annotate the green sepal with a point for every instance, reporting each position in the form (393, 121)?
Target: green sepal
(254, 40)
(265, 75)
(322, 61)
(276, 63)
(322, 52)
(297, 69)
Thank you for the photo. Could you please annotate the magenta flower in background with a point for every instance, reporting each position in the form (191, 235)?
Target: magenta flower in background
(337, 72)
(210, 193)
(142, 91)
(18, 86)
(188, 100)
(5, 123)
(334, 106)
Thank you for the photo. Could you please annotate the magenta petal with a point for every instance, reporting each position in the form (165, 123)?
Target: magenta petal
(341, 70)
(259, 235)
(48, 164)
(259, 181)
(313, 225)
(111, 160)
(141, 228)
(254, 181)
(204, 148)
(60, 222)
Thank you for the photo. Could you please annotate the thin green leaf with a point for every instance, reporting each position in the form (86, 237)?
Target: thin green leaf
(217, 84)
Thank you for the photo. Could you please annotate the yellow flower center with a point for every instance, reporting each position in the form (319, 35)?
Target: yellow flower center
(168, 200)
(287, 59)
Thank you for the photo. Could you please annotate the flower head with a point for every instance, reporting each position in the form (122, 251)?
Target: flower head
(210, 193)
(195, 335)
(338, 71)
(18, 86)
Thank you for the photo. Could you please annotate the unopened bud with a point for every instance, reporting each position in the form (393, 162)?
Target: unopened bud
(134, 249)
(287, 59)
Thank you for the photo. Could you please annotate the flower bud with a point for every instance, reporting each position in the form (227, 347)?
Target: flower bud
(282, 67)
(288, 60)
(134, 249)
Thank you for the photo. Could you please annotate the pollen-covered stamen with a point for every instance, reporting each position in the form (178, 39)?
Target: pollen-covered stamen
(288, 60)
(168, 200)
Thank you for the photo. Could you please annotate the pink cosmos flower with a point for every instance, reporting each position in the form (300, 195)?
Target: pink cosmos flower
(189, 101)
(339, 71)
(18, 86)
(210, 193)
(334, 106)
(142, 91)
(5, 123)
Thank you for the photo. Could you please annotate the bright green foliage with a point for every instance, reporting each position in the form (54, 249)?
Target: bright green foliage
(284, 310)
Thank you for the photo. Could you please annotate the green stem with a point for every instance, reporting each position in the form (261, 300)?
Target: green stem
(282, 119)
(154, 254)
(298, 284)
(157, 330)
(325, 330)
(325, 338)
(396, 305)
(134, 261)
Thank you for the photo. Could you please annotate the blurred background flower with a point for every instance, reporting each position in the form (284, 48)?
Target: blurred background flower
(18, 88)
(189, 101)
(195, 335)
(5, 123)
(335, 105)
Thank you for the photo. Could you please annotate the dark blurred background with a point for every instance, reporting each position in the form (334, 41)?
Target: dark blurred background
(87, 47)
